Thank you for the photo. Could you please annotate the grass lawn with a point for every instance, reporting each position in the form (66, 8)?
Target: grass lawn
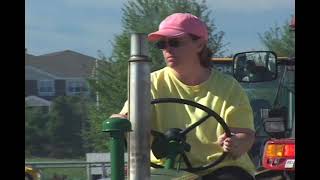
(71, 173)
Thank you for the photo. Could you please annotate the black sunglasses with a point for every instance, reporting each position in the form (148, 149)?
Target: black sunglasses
(171, 42)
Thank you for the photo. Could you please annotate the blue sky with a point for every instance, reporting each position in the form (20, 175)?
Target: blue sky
(86, 26)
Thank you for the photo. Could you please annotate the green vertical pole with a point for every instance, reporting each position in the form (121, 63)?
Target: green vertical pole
(117, 127)
(117, 155)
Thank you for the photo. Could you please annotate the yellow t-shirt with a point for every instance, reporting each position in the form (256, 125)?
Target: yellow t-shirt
(221, 93)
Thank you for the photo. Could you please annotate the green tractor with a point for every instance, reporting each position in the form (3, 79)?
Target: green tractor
(273, 121)
(271, 92)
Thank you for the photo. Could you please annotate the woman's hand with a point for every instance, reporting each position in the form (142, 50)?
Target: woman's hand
(230, 145)
(124, 116)
(238, 144)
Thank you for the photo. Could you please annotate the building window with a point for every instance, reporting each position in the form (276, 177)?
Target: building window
(46, 87)
(77, 87)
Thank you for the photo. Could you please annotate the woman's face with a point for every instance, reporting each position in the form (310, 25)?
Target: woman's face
(182, 51)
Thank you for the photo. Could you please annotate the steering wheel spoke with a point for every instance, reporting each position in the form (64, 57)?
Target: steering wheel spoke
(194, 125)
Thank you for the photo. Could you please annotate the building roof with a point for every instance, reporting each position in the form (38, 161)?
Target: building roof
(65, 64)
(33, 101)
(28, 56)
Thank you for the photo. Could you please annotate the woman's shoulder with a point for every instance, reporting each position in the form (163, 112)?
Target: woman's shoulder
(223, 77)
(224, 82)
(159, 73)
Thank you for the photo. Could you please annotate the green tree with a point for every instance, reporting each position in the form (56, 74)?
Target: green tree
(67, 120)
(111, 94)
(140, 16)
(280, 40)
(35, 131)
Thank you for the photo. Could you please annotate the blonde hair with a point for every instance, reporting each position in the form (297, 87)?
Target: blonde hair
(205, 54)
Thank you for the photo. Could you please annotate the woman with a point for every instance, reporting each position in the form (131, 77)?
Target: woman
(183, 39)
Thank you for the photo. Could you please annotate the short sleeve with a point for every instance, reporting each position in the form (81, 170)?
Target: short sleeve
(239, 114)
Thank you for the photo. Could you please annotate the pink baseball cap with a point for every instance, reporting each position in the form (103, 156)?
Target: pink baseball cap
(179, 24)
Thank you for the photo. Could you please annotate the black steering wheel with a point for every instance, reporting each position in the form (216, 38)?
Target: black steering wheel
(161, 139)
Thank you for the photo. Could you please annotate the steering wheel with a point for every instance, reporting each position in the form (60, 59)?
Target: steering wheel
(162, 139)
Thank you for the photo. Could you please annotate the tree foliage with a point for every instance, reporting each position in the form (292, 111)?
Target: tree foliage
(280, 40)
(110, 80)
(35, 132)
(58, 132)
(67, 120)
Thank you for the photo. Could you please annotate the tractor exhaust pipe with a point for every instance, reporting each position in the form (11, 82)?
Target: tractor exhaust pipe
(139, 108)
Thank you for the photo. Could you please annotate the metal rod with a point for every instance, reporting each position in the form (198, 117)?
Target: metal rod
(139, 108)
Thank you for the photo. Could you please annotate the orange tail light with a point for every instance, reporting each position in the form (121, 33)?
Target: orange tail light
(279, 154)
